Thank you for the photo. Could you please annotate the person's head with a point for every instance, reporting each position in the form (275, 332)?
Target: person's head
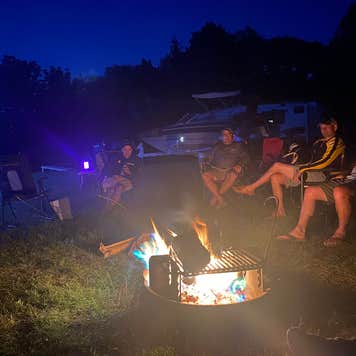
(127, 150)
(227, 136)
(328, 127)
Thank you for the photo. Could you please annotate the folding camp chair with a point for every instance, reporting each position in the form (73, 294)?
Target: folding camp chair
(271, 151)
(17, 184)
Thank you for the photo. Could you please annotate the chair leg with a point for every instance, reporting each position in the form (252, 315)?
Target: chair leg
(301, 190)
(2, 213)
(12, 210)
(3, 206)
(42, 203)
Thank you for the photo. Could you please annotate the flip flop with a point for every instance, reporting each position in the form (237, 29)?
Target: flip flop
(334, 241)
(289, 237)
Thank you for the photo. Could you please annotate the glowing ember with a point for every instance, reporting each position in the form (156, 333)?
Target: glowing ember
(218, 288)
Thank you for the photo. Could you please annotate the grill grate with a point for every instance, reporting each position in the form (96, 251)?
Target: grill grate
(230, 260)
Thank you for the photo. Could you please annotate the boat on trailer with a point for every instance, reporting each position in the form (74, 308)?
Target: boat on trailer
(197, 132)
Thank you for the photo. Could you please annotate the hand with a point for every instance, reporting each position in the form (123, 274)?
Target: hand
(237, 169)
(338, 177)
(126, 170)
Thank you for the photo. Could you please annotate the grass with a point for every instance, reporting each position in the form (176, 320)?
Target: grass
(330, 267)
(55, 295)
(59, 296)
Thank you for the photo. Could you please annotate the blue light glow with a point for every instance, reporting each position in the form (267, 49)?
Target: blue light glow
(239, 284)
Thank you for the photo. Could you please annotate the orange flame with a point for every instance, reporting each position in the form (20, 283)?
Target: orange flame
(201, 228)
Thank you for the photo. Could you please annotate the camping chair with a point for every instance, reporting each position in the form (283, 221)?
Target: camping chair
(271, 151)
(17, 184)
(130, 196)
(204, 166)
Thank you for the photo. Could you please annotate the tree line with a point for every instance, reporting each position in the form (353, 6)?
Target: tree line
(49, 112)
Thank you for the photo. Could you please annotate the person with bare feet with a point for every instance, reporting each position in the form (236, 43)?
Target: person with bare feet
(227, 162)
(119, 175)
(338, 191)
(327, 153)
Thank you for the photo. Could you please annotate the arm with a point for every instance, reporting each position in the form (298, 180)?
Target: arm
(243, 159)
(211, 154)
(334, 148)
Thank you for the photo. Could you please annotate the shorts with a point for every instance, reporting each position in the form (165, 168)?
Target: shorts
(218, 174)
(293, 182)
(114, 181)
(328, 188)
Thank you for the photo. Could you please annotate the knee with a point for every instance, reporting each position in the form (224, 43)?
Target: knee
(276, 178)
(310, 193)
(341, 193)
(277, 166)
(231, 176)
(206, 176)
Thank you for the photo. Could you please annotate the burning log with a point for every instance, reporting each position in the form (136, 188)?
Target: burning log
(189, 249)
(115, 248)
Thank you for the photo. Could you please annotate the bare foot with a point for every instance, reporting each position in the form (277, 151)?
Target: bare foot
(279, 214)
(221, 204)
(246, 189)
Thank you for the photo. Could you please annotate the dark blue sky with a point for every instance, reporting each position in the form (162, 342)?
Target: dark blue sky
(86, 36)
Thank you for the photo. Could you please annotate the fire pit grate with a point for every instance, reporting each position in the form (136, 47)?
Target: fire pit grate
(230, 260)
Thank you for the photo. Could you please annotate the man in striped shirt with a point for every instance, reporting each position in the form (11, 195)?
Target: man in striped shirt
(339, 191)
(326, 154)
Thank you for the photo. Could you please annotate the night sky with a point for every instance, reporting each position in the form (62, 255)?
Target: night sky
(86, 36)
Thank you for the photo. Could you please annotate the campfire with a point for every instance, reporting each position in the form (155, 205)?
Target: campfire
(183, 267)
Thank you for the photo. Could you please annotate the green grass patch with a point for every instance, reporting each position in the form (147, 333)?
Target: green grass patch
(55, 295)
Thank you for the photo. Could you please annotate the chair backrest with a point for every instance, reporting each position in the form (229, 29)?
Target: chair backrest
(100, 161)
(16, 177)
(14, 181)
(271, 149)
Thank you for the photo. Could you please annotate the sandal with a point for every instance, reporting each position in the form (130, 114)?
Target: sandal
(289, 237)
(334, 241)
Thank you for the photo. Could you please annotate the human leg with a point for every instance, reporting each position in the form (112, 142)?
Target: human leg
(278, 181)
(312, 194)
(209, 180)
(286, 170)
(228, 182)
(122, 185)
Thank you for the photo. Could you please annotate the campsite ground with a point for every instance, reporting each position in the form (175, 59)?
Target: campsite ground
(58, 295)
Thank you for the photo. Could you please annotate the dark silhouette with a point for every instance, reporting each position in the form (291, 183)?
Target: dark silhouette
(50, 114)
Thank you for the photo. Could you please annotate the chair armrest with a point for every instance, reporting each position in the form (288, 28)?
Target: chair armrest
(313, 176)
(321, 175)
(334, 174)
(204, 164)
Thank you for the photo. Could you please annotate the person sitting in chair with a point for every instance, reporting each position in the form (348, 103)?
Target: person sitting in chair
(326, 154)
(227, 161)
(120, 173)
(339, 191)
